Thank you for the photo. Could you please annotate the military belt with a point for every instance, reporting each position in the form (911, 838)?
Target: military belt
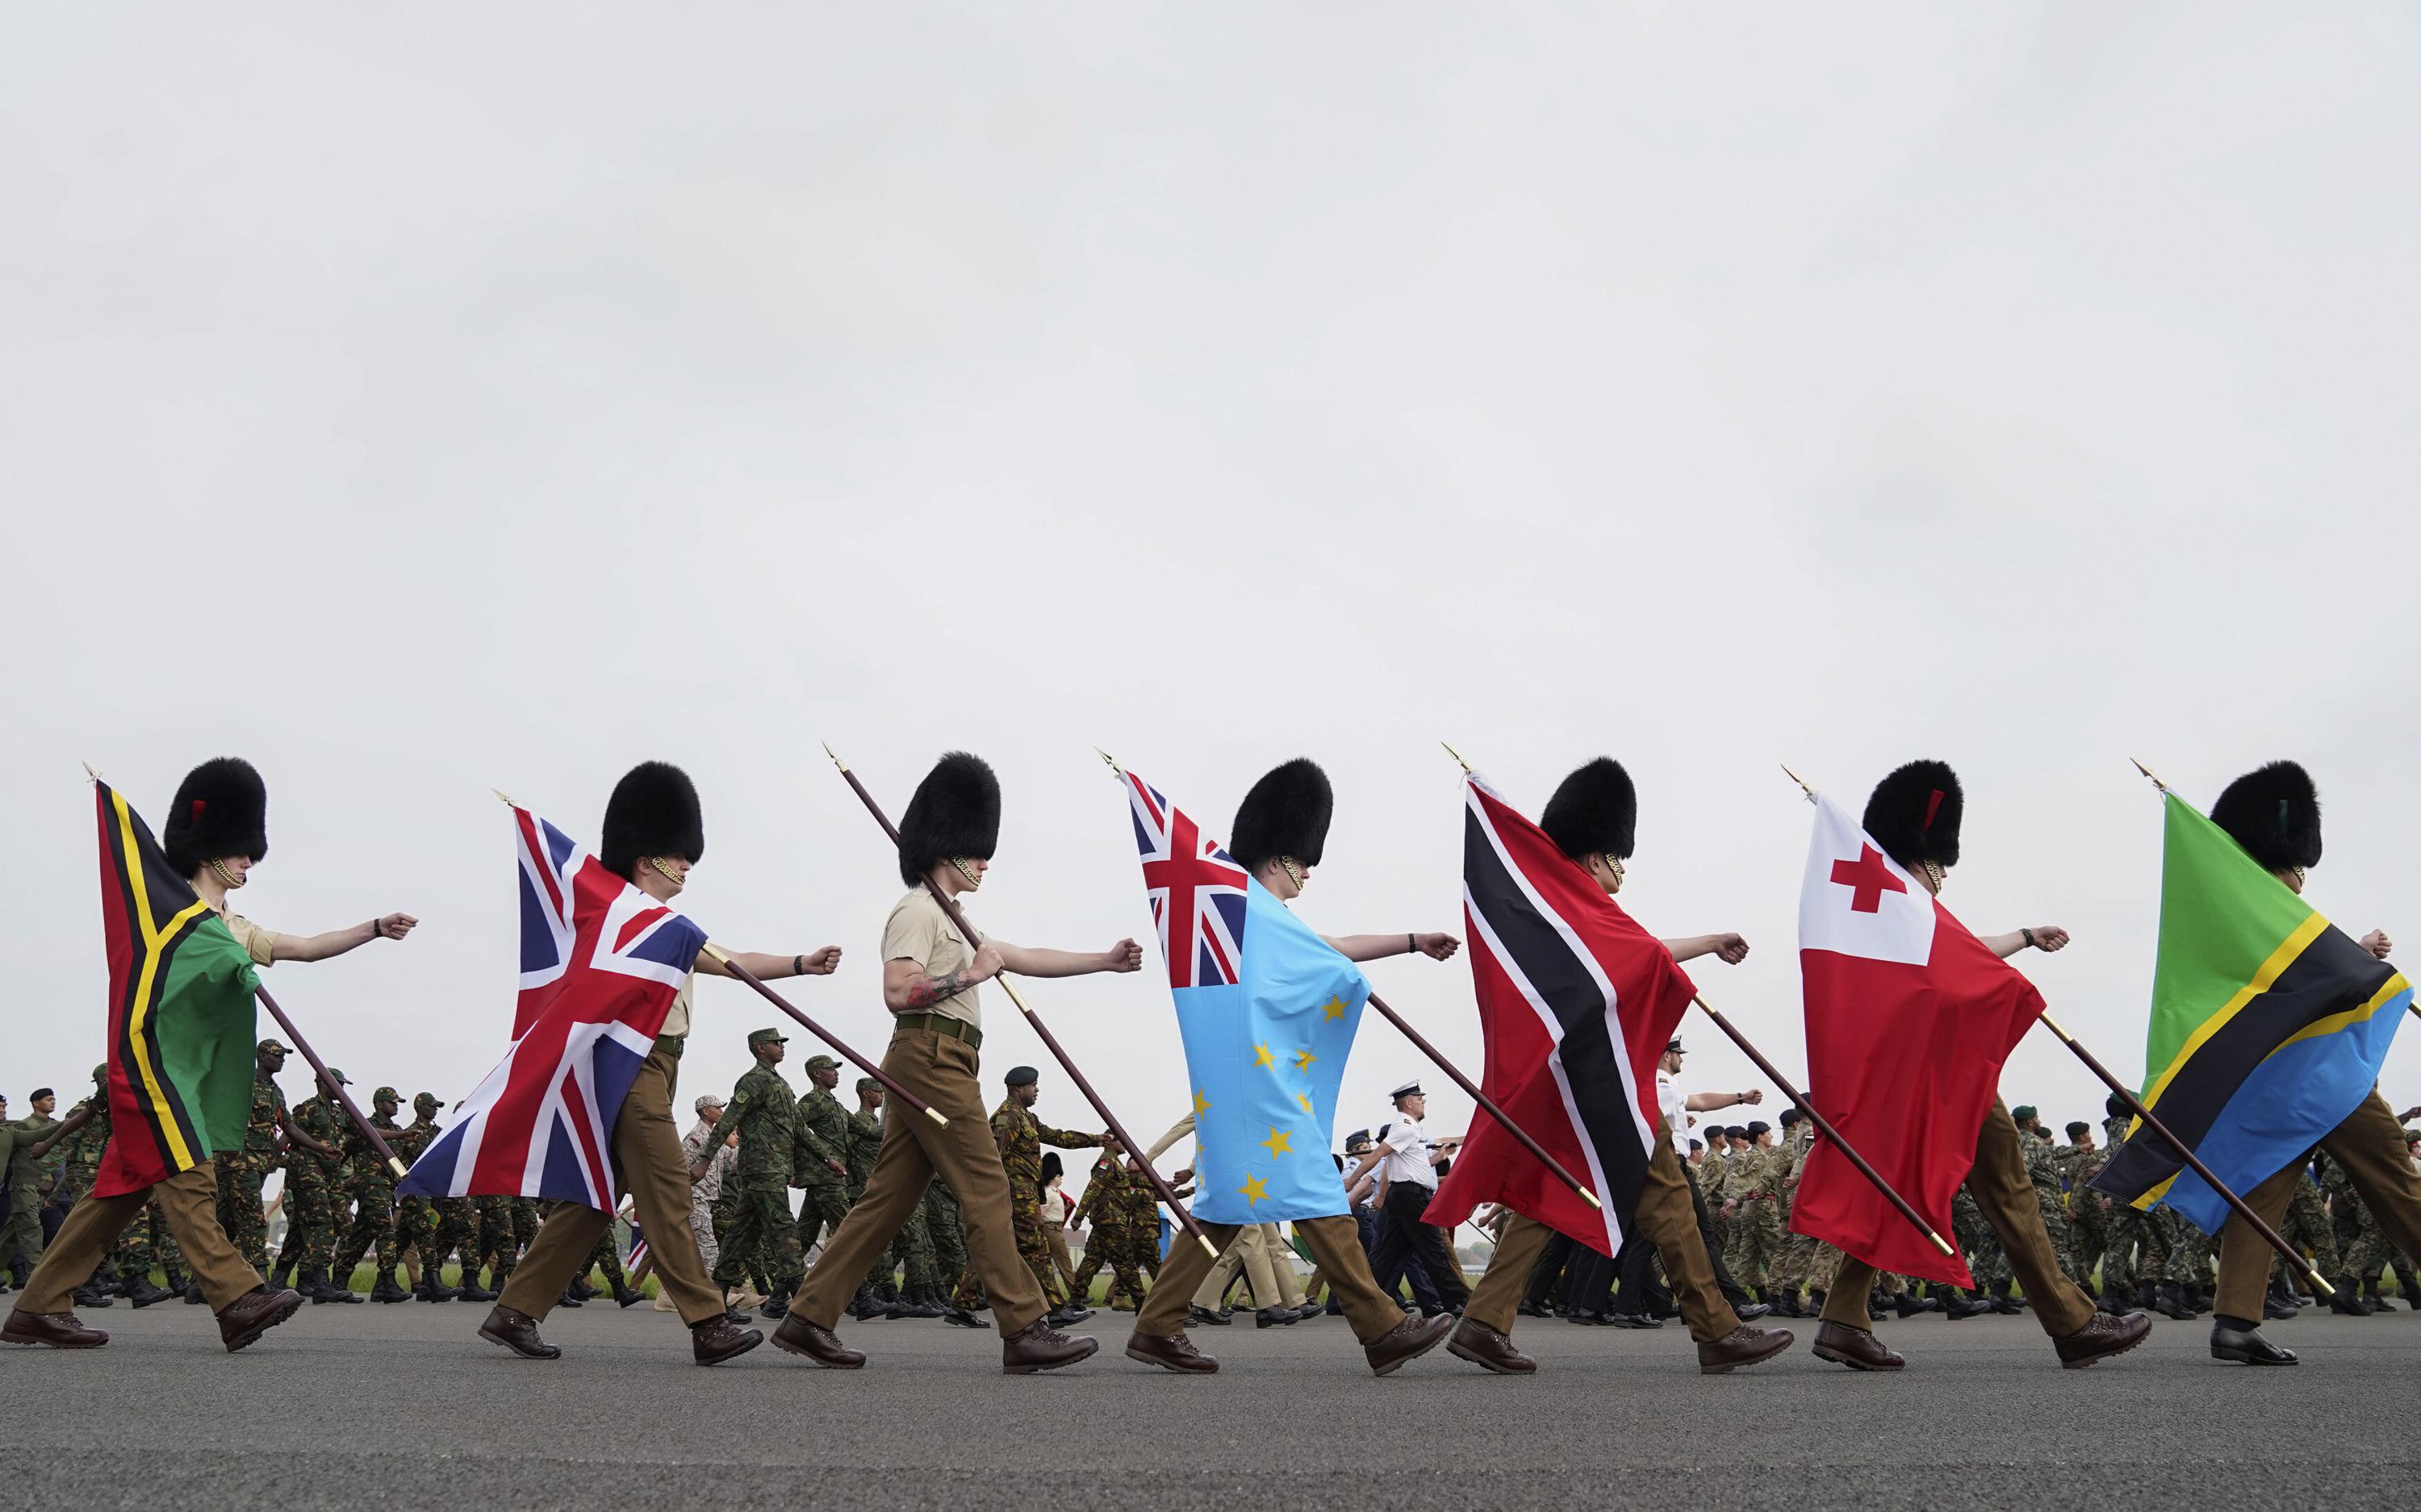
(671, 1044)
(936, 1024)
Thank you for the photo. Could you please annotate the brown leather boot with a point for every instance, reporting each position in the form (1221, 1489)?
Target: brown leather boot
(60, 1331)
(1176, 1354)
(1484, 1347)
(798, 1337)
(254, 1314)
(2100, 1337)
(1742, 1345)
(719, 1339)
(1856, 1347)
(1407, 1341)
(517, 1331)
(1039, 1347)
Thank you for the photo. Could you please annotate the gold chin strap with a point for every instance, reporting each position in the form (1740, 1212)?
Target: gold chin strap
(2300, 877)
(1614, 865)
(666, 872)
(1933, 871)
(966, 871)
(1294, 873)
(227, 878)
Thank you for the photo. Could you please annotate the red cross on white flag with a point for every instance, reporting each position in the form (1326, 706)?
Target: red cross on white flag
(1858, 901)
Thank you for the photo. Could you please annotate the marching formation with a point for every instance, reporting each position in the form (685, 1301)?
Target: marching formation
(2257, 1161)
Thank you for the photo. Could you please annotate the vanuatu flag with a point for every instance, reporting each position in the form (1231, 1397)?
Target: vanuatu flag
(2269, 1026)
(181, 1041)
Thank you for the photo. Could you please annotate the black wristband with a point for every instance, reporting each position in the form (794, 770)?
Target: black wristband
(2031, 942)
(1411, 946)
(799, 965)
(376, 933)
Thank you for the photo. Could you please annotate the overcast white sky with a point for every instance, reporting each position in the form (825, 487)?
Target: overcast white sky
(423, 400)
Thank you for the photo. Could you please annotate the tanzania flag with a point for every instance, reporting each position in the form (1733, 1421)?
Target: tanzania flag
(2269, 1025)
(180, 1040)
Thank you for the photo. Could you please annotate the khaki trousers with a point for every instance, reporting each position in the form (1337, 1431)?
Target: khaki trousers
(941, 1070)
(1336, 1244)
(190, 1203)
(1261, 1253)
(650, 1165)
(1665, 1217)
(2006, 1194)
(2370, 1146)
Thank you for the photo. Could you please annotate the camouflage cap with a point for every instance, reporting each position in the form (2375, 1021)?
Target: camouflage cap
(101, 1072)
(823, 1063)
(339, 1077)
(424, 1102)
(386, 1094)
(868, 1084)
(2412, 1136)
(767, 1036)
(707, 1099)
(266, 1045)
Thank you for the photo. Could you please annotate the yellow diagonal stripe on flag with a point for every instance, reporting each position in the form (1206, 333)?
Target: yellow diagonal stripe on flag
(139, 1013)
(2263, 980)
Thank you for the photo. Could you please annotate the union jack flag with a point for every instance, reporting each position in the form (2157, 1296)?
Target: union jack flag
(1197, 892)
(602, 962)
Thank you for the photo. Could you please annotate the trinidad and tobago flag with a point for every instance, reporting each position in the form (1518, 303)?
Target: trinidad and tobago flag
(602, 962)
(1576, 1003)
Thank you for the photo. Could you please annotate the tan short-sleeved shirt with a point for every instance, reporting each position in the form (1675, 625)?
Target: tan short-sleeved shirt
(677, 1022)
(918, 931)
(259, 943)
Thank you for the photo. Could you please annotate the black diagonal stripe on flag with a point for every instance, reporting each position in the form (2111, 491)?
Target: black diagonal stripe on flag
(1576, 1001)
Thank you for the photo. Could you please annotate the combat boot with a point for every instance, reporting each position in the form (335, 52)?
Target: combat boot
(143, 1294)
(864, 1307)
(567, 1300)
(1965, 1305)
(333, 1290)
(194, 1294)
(2113, 1302)
(2371, 1300)
(474, 1292)
(2169, 1300)
(2280, 1301)
(627, 1295)
(385, 1290)
(89, 1295)
(775, 1305)
(433, 1290)
(916, 1301)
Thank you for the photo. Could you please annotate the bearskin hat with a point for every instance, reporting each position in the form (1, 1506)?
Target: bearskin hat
(1914, 815)
(221, 809)
(1595, 811)
(954, 812)
(653, 812)
(2274, 814)
(1286, 814)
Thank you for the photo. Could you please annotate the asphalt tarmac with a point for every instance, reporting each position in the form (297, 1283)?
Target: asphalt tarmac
(403, 1406)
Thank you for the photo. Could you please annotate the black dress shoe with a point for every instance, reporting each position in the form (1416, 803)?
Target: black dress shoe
(1204, 1317)
(1752, 1312)
(2245, 1346)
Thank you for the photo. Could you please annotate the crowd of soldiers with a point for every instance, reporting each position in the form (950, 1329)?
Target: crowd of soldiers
(751, 1151)
(2126, 1257)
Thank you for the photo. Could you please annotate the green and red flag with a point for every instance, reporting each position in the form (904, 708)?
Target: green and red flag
(2269, 1026)
(181, 1025)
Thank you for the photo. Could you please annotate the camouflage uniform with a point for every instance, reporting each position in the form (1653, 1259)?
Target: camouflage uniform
(314, 1185)
(765, 1112)
(2088, 1221)
(1115, 1243)
(492, 1243)
(372, 1189)
(1755, 1239)
(822, 1134)
(2306, 1226)
(2192, 1253)
(1797, 1263)
(2042, 1169)
(1020, 1137)
(865, 1144)
(2136, 1252)
(2362, 1248)
(241, 1171)
(416, 1222)
(1986, 1262)
(943, 1232)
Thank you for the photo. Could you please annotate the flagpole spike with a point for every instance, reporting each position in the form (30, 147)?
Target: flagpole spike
(1112, 761)
(2147, 771)
(500, 795)
(1800, 780)
(835, 755)
(90, 775)
(1458, 758)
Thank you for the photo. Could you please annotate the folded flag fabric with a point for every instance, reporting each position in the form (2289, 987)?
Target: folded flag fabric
(181, 1015)
(1909, 1018)
(602, 962)
(1267, 1010)
(1576, 1004)
(2269, 1025)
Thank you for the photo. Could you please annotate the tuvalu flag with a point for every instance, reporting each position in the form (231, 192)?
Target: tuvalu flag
(1577, 1003)
(1909, 1018)
(181, 1018)
(2269, 1026)
(1267, 1010)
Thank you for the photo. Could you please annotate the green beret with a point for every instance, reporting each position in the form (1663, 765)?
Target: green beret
(2024, 1113)
(1022, 1076)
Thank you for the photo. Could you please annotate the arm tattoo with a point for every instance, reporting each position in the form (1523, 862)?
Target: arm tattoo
(926, 990)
